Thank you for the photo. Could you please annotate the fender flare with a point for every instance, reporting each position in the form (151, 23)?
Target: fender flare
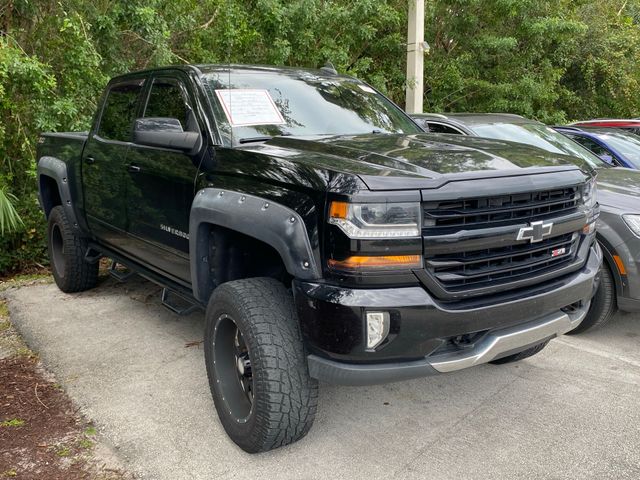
(272, 223)
(57, 170)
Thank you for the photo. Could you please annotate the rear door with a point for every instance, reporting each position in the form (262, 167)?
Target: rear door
(160, 183)
(104, 162)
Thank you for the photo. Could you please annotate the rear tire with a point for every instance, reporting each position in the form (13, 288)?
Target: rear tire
(516, 357)
(603, 305)
(257, 366)
(66, 253)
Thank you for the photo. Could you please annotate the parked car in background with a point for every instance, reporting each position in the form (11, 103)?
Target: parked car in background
(616, 147)
(618, 228)
(629, 125)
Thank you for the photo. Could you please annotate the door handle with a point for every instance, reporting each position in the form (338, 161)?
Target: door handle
(89, 160)
(133, 169)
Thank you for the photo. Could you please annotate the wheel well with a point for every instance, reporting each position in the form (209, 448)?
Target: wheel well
(234, 256)
(49, 193)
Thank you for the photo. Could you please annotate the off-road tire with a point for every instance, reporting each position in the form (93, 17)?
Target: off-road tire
(285, 397)
(71, 272)
(603, 304)
(516, 357)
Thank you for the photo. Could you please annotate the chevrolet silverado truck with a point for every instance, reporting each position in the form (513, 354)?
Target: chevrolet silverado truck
(324, 234)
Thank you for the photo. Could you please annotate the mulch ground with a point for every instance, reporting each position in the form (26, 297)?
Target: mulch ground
(41, 436)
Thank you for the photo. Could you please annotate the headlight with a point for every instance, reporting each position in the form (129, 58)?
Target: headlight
(590, 194)
(376, 220)
(633, 222)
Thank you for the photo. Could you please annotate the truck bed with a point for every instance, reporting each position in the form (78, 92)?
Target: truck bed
(66, 146)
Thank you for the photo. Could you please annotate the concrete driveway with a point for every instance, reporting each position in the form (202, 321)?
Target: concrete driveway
(570, 412)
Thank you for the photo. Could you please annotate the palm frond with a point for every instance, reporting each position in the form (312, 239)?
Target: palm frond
(9, 218)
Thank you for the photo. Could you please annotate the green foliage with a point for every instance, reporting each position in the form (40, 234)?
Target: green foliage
(554, 60)
(25, 246)
(9, 218)
(14, 422)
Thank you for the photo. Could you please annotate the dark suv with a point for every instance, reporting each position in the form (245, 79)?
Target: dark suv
(326, 235)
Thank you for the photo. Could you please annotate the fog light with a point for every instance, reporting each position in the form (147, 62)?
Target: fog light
(377, 328)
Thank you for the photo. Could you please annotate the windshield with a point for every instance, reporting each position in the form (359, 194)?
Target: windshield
(540, 136)
(627, 144)
(256, 104)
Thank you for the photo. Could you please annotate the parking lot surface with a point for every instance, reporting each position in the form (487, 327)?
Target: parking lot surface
(138, 372)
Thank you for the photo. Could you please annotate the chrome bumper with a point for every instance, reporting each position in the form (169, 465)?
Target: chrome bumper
(510, 339)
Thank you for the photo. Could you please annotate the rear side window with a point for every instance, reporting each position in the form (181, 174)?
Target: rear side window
(634, 130)
(120, 111)
(168, 99)
(441, 128)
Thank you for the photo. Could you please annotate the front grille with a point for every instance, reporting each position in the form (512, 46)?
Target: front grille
(460, 271)
(499, 210)
(470, 250)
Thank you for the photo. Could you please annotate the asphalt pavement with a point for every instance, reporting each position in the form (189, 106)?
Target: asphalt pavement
(138, 372)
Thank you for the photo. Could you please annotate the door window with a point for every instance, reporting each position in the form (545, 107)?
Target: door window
(119, 112)
(600, 151)
(168, 99)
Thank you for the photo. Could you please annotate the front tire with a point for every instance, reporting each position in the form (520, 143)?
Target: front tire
(71, 272)
(256, 365)
(603, 305)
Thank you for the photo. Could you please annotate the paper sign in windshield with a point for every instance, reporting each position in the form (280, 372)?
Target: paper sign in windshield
(249, 107)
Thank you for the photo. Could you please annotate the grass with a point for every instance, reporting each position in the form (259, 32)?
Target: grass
(26, 279)
(14, 422)
(85, 443)
(63, 451)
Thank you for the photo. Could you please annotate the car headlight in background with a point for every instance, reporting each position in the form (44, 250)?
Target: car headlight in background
(590, 193)
(633, 222)
(376, 220)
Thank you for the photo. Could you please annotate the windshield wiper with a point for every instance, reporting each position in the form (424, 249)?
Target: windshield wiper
(262, 138)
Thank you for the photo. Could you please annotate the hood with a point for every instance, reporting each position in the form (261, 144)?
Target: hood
(619, 188)
(420, 160)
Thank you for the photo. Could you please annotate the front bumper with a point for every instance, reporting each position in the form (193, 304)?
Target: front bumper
(419, 342)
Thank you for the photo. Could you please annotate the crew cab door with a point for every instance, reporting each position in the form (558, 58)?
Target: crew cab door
(103, 162)
(160, 183)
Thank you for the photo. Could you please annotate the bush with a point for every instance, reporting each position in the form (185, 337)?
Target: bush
(26, 246)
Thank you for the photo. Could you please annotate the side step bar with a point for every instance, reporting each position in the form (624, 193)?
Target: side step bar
(182, 307)
(174, 287)
(120, 275)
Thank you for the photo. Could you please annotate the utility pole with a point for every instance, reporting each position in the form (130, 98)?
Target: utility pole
(415, 57)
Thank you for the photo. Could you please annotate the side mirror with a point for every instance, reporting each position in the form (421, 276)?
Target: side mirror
(165, 133)
(605, 157)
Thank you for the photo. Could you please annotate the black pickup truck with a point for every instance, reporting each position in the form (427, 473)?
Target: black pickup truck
(326, 236)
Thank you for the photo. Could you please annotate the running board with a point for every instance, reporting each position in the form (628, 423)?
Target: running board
(183, 307)
(92, 255)
(118, 275)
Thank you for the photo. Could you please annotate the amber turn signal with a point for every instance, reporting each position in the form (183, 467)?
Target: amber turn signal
(620, 265)
(359, 263)
(338, 210)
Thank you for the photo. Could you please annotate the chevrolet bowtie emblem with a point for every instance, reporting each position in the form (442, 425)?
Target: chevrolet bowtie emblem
(535, 232)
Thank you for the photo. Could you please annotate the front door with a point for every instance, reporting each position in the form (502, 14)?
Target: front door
(160, 185)
(104, 163)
